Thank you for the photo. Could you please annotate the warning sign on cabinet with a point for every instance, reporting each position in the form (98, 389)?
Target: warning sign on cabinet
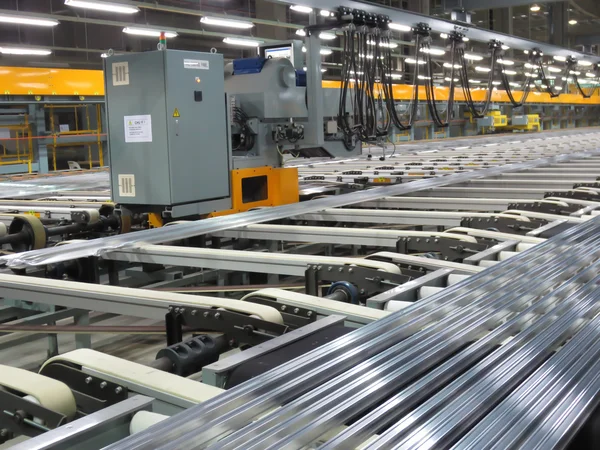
(138, 128)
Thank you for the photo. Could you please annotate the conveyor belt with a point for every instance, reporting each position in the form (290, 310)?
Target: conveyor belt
(451, 353)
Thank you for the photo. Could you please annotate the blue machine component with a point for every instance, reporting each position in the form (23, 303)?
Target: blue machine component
(349, 289)
(300, 78)
(248, 65)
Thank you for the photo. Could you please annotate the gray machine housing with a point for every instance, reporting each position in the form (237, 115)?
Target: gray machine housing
(169, 131)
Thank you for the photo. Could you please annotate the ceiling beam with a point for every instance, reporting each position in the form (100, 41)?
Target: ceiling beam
(473, 5)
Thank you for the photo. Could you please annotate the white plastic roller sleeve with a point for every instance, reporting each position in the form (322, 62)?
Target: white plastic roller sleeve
(454, 278)
(427, 291)
(143, 420)
(502, 256)
(3, 229)
(32, 399)
(524, 246)
(94, 215)
(488, 263)
(396, 305)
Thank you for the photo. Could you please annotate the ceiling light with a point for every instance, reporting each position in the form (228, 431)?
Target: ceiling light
(396, 75)
(590, 75)
(584, 63)
(242, 42)
(475, 81)
(509, 72)
(423, 77)
(448, 79)
(301, 32)
(574, 72)
(543, 86)
(506, 62)
(322, 70)
(568, 80)
(433, 51)
(449, 66)
(326, 51)
(551, 77)
(325, 13)
(26, 20)
(465, 39)
(384, 44)
(148, 32)
(473, 57)
(24, 51)
(530, 66)
(413, 61)
(231, 23)
(103, 6)
(554, 69)
(301, 9)
(572, 22)
(444, 36)
(535, 8)
(496, 83)
(482, 69)
(526, 52)
(399, 27)
(512, 83)
(560, 58)
(529, 74)
(327, 36)
(356, 73)
(505, 47)
(104, 55)
(558, 88)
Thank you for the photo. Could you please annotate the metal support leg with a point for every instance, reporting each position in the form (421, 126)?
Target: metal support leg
(83, 340)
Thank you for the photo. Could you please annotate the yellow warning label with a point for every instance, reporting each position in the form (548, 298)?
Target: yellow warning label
(33, 213)
(176, 113)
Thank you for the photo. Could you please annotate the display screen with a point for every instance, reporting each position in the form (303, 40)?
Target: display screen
(279, 52)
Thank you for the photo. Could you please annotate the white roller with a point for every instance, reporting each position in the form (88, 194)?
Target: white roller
(521, 246)
(455, 278)
(487, 263)
(3, 229)
(144, 419)
(396, 305)
(427, 291)
(502, 256)
(48, 392)
(132, 374)
(496, 235)
(94, 215)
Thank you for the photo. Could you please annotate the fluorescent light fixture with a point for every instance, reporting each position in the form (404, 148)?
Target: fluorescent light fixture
(444, 36)
(475, 81)
(24, 51)
(574, 72)
(103, 6)
(27, 20)
(325, 13)
(584, 63)
(301, 32)
(399, 27)
(449, 66)
(465, 39)
(413, 61)
(148, 32)
(351, 80)
(512, 83)
(529, 74)
(301, 9)
(473, 57)
(590, 75)
(505, 47)
(356, 73)
(229, 23)
(506, 62)
(423, 77)
(551, 77)
(560, 58)
(327, 36)
(568, 80)
(543, 86)
(572, 22)
(104, 55)
(448, 79)
(496, 83)
(242, 42)
(384, 44)
(433, 51)
(535, 8)
(558, 88)
(509, 72)
(482, 69)
(396, 76)
(526, 52)
(325, 51)
(322, 70)
(554, 69)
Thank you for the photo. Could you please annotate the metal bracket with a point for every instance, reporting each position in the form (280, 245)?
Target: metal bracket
(240, 328)
(369, 281)
(450, 249)
(17, 417)
(548, 208)
(502, 224)
(293, 316)
(91, 394)
(578, 195)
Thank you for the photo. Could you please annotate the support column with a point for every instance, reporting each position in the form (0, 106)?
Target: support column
(40, 151)
(557, 24)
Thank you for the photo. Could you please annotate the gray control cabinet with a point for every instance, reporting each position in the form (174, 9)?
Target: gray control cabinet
(168, 128)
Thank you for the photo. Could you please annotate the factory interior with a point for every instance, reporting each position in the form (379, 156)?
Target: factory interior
(299, 224)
